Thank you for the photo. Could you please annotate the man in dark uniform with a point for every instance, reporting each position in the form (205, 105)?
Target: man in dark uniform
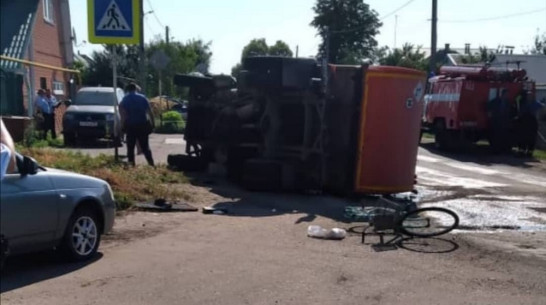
(138, 121)
(500, 114)
(527, 123)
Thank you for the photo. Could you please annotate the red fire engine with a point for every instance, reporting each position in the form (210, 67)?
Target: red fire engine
(456, 103)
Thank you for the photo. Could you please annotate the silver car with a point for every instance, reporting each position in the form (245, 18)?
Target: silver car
(44, 208)
(91, 115)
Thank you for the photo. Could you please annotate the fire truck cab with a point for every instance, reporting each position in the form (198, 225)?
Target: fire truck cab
(455, 107)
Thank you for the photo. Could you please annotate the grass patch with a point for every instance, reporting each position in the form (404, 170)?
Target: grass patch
(34, 138)
(539, 154)
(130, 184)
(428, 135)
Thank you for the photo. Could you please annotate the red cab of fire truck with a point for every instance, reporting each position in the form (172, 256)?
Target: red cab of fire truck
(455, 107)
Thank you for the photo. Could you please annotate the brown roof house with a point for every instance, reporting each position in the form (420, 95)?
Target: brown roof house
(35, 52)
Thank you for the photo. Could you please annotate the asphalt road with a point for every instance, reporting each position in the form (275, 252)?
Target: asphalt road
(259, 252)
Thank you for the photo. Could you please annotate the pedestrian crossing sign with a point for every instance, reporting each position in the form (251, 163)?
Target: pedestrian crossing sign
(113, 21)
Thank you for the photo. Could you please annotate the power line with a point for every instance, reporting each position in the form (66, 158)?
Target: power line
(155, 15)
(382, 18)
(396, 10)
(149, 28)
(494, 18)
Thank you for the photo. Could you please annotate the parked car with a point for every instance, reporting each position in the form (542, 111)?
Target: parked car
(182, 109)
(91, 115)
(180, 106)
(43, 208)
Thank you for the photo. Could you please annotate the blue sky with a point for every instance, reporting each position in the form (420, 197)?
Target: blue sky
(231, 24)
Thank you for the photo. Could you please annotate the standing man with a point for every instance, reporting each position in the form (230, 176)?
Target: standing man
(53, 104)
(500, 116)
(46, 104)
(137, 121)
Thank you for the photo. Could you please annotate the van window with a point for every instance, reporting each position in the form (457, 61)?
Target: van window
(94, 98)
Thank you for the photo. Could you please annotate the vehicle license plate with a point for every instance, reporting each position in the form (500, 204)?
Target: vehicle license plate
(89, 124)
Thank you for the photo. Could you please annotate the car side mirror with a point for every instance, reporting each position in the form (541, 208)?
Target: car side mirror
(27, 165)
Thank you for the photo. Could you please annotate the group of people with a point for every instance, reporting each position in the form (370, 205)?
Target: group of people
(136, 119)
(45, 104)
(513, 123)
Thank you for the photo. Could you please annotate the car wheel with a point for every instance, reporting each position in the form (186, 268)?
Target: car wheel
(82, 236)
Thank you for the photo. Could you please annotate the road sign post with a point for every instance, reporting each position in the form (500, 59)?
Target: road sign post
(114, 22)
(159, 61)
(117, 136)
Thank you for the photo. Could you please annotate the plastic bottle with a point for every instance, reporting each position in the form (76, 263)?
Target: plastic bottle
(337, 233)
(317, 232)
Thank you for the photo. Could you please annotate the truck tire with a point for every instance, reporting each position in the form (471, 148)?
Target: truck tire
(187, 163)
(262, 175)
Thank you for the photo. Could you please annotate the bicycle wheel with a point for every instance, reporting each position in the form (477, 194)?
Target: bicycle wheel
(428, 222)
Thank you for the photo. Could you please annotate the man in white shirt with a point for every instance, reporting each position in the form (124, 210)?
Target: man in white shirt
(50, 118)
(7, 151)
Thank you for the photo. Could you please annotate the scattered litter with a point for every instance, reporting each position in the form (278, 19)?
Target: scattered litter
(365, 214)
(216, 211)
(161, 205)
(319, 232)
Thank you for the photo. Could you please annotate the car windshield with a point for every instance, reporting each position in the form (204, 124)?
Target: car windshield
(95, 98)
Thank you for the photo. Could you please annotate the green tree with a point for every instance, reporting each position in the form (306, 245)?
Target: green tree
(408, 56)
(99, 72)
(351, 26)
(259, 47)
(280, 48)
(183, 58)
(256, 47)
(484, 56)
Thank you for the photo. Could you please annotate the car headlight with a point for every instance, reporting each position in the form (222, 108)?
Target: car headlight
(69, 116)
(110, 117)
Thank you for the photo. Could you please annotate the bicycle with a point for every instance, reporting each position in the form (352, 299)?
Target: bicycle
(402, 217)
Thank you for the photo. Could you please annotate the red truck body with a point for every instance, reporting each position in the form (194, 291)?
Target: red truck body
(457, 99)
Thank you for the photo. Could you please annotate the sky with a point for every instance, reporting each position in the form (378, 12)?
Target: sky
(231, 24)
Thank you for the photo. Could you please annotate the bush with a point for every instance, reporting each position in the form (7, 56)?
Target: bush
(171, 122)
(34, 138)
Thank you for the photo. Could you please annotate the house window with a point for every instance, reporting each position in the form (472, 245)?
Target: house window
(58, 88)
(48, 10)
(43, 83)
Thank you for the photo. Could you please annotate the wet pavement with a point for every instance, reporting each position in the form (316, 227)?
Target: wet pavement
(487, 197)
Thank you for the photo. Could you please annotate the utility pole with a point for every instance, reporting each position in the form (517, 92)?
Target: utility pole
(433, 42)
(395, 28)
(167, 34)
(142, 55)
(326, 59)
(297, 51)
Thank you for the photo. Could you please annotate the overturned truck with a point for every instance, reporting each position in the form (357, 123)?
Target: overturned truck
(290, 124)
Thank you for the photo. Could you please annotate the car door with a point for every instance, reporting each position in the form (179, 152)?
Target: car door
(28, 211)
